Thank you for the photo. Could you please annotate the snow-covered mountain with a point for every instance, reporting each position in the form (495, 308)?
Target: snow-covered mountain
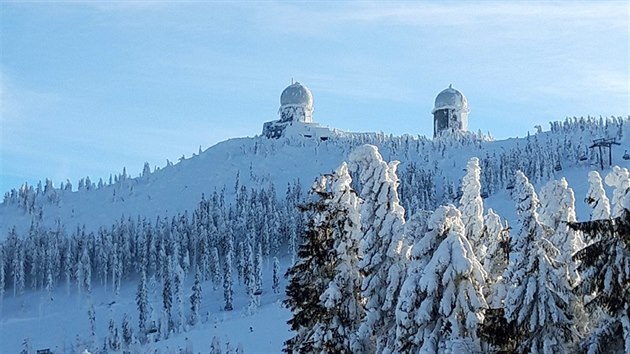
(273, 176)
(259, 162)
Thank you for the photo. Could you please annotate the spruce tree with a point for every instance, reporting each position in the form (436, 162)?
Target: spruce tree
(195, 298)
(596, 197)
(142, 301)
(336, 330)
(604, 269)
(471, 207)
(380, 248)
(310, 275)
(451, 303)
(537, 301)
(275, 276)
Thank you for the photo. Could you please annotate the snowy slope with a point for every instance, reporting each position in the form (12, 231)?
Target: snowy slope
(258, 163)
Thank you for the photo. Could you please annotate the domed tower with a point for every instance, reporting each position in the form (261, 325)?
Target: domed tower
(296, 104)
(450, 112)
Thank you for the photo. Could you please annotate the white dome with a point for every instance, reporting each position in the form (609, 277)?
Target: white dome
(297, 95)
(451, 98)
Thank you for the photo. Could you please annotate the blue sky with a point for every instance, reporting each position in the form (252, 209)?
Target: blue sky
(88, 88)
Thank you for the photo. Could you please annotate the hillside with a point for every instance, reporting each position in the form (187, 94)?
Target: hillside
(227, 209)
(260, 162)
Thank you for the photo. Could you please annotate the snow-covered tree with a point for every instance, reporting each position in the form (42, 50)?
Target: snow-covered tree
(557, 209)
(495, 261)
(427, 231)
(537, 301)
(309, 277)
(452, 301)
(275, 276)
(382, 219)
(619, 179)
(336, 331)
(178, 295)
(471, 207)
(195, 298)
(215, 346)
(142, 301)
(127, 332)
(228, 293)
(258, 260)
(113, 336)
(596, 197)
(250, 280)
(605, 271)
(167, 304)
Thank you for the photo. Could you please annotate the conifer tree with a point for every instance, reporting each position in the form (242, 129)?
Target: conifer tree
(142, 301)
(604, 266)
(309, 276)
(228, 293)
(596, 197)
(127, 332)
(451, 302)
(336, 330)
(113, 337)
(381, 264)
(537, 301)
(471, 207)
(495, 260)
(276, 276)
(195, 298)
(557, 209)
(215, 268)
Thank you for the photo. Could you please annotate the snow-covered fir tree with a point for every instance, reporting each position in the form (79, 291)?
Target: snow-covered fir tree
(380, 248)
(495, 260)
(452, 302)
(228, 293)
(195, 298)
(558, 209)
(537, 301)
(275, 276)
(619, 180)
(336, 330)
(142, 301)
(471, 207)
(605, 270)
(310, 276)
(128, 337)
(596, 197)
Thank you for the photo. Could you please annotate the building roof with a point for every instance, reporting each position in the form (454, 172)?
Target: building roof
(298, 95)
(451, 98)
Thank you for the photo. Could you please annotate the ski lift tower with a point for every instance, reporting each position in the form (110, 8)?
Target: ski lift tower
(602, 144)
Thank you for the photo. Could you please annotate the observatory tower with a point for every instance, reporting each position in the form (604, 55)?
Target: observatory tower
(296, 116)
(450, 112)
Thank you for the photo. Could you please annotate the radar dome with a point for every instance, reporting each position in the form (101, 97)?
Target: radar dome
(297, 95)
(451, 98)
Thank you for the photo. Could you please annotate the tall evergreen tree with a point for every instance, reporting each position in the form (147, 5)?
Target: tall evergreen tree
(142, 301)
(537, 301)
(336, 330)
(451, 301)
(471, 207)
(228, 293)
(381, 264)
(275, 276)
(596, 197)
(310, 275)
(605, 270)
(195, 298)
(495, 261)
